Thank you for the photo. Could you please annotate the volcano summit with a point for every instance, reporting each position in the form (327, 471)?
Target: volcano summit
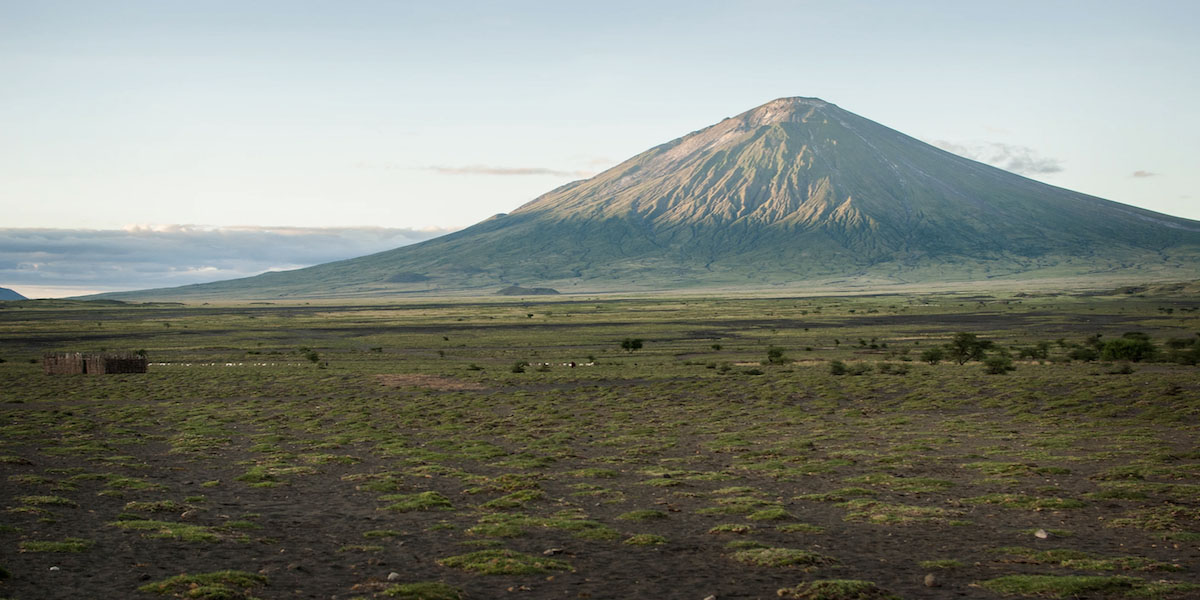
(795, 193)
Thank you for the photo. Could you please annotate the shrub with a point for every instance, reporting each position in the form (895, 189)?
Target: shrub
(1134, 349)
(858, 369)
(631, 344)
(1184, 351)
(1124, 369)
(1039, 352)
(933, 356)
(998, 365)
(775, 356)
(1084, 353)
(837, 367)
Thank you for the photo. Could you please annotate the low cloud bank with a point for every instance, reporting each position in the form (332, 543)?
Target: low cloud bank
(1021, 160)
(40, 263)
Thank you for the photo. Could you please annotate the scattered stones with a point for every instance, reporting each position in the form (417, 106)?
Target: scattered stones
(552, 551)
(710, 597)
(54, 568)
(188, 515)
(931, 581)
(394, 576)
(1041, 534)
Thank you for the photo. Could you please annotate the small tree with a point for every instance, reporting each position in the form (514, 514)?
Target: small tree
(837, 367)
(775, 356)
(966, 347)
(631, 344)
(933, 356)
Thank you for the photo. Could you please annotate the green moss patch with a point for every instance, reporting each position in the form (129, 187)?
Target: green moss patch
(420, 501)
(503, 562)
(837, 589)
(1060, 586)
(223, 585)
(167, 529)
(424, 590)
(646, 539)
(1026, 502)
(67, 545)
(881, 513)
(780, 557)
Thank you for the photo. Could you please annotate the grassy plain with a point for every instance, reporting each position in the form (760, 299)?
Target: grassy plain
(312, 450)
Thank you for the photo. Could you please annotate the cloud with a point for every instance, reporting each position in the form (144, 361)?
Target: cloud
(36, 262)
(1142, 174)
(486, 170)
(1017, 159)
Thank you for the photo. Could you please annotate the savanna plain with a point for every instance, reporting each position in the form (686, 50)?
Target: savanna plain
(824, 448)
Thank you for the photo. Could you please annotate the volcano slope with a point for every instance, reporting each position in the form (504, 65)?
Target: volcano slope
(795, 193)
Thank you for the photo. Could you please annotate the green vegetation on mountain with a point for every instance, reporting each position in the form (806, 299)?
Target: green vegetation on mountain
(795, 193)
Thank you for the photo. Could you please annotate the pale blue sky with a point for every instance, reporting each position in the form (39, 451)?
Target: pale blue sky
(440, 114)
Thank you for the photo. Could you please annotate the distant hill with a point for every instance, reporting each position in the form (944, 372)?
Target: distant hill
(7, 294)
(516, 290)
(792, 194)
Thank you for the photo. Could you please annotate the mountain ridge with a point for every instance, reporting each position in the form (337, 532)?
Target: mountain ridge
(7, 294)
(796, 191)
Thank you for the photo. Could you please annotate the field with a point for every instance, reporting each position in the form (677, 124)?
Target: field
(530, 449)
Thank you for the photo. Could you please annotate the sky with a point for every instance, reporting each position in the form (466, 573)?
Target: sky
(390, 122)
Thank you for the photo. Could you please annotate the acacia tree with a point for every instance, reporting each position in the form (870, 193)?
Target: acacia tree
(966, 347)
(631, 344)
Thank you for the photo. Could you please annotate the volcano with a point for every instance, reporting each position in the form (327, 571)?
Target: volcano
(792, 194)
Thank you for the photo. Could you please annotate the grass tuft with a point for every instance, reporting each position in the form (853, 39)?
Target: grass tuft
(222, 585)
(419, 501)
(424, 590)
(780, 557)
(837, 589)
(503, 562)
(1059, 586)
(67, 545)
